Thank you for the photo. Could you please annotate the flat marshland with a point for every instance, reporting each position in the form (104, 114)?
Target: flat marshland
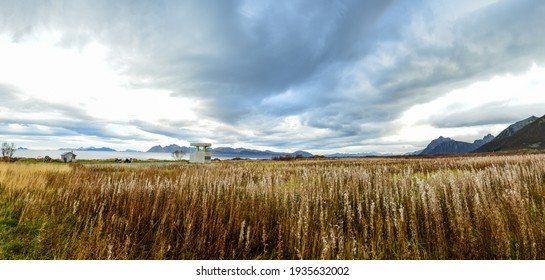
(480, 207)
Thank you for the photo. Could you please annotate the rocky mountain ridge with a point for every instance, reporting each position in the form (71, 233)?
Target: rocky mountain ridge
(528, 134)
(227, 151)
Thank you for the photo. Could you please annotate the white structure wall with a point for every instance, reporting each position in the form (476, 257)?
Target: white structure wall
(200, 154)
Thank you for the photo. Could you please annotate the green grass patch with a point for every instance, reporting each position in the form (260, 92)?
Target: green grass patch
(22, 240)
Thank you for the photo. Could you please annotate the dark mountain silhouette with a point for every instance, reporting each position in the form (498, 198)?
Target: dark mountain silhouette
(168, 149)
(227, 151)
(499, 142)
(434, 143)
(459, 147)
(449, 146)
(529, 136)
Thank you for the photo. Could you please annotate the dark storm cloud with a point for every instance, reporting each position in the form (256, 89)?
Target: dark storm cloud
(498, 39)
(349, 67)
(502, 38)
(232, 61)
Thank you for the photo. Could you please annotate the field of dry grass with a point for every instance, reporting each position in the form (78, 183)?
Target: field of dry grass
(372, 208)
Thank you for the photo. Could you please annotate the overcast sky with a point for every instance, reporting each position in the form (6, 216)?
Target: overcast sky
(322, 76)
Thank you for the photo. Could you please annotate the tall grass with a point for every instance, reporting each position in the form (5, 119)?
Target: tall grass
(374, 208)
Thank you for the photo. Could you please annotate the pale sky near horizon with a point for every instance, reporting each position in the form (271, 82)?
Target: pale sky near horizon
(321, 76)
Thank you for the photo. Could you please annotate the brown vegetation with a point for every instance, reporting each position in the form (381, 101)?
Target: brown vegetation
(374, 208)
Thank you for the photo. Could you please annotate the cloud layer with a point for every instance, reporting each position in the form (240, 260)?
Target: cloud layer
(317, 75)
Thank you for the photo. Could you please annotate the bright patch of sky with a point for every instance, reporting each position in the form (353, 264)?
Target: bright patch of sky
(509, 92)
(326, 76)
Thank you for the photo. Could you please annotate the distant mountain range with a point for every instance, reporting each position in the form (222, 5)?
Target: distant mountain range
(226, 151)
(93, 149)
(526, 134)
(447, 145)
(522, 135)
(168, 149)
(243, 152)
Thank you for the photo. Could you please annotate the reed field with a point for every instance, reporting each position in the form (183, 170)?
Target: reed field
(478, 207)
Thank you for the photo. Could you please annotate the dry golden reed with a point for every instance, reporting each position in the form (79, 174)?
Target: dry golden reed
(372, 208)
